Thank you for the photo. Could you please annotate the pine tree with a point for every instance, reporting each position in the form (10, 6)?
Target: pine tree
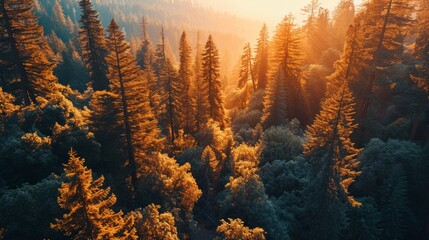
(90, 215)
(186, 99)
(169, 99)
(201, 113)
(25, 69)
(352, 61)
(261, 59)
(284, 96)
(333, 166)
(311, 11)
(246, 69)
(421, 50)
(93, 46)
(166, 90)
(141, 132)
(58, 13)
(212, 85)
(145, 53)
(343, 16)
(320, 39)
(384, 24)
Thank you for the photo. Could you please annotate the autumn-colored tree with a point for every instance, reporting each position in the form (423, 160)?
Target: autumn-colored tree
(150, 224)
(261, 59)
(236, 230)
(93, 45)
(170, 183)
(186, 99)
(89, 206)
(334, 166)
(352, 61)
(212, 84)
(127, 82)
(421, 50)
(284, 95)
(26, 71)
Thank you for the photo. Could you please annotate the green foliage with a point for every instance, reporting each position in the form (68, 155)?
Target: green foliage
(93, 45)
(27, 211)
(245, 195)
(280, 143)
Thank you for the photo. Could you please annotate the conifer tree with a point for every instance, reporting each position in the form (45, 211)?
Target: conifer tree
(284, 96)
(186, 99)
(212, 85)
(311, 11)
(200, 97)
(93, 46)
(89, 206)
(320, 39)
(421, 50)
(166, 89)
(261, 59)
(145, 53)
(128, 84)
(352, 61)
(26, 71)
(385, 22)
(58, 13)
(246, 69)
(343, 16)
(334, 166)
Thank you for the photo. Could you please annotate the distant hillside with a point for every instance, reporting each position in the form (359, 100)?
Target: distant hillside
(230, 32)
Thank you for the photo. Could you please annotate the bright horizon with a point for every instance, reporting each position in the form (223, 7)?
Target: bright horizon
(268, 11)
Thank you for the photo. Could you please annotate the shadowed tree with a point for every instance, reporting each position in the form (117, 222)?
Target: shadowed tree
(25, 69)
(93, 46)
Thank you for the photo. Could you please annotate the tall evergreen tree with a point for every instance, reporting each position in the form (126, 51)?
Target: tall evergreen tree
(212, 84)
(24, 66)
(89, 206)
(421, 50)
(246, 69)
(352, 61)
(186, 99)
(334, 166)
(201, 116)
(141, 132)
(342, 18)
(261, 58)
(93, 46)
(385, 22)
(284, 96)
(311, 11)
(145, 53)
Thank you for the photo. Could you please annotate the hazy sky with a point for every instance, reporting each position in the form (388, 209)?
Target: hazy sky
(269, 11)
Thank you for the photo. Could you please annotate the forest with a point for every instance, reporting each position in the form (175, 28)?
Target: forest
(160, 119)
